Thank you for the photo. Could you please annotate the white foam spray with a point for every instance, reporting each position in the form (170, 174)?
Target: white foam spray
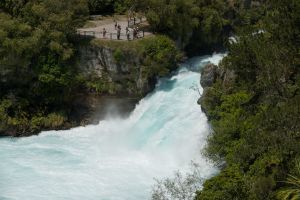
(117, 159)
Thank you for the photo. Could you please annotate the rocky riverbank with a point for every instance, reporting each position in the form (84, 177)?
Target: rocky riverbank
(111, 77)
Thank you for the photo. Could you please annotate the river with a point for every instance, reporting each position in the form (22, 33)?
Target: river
(119, 158)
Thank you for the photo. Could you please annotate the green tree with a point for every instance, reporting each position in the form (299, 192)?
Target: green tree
(292, 192)
(37, 58)
(177, 18)
(254, 109)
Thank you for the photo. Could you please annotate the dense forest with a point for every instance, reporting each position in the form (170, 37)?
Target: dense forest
(36, 60)
(254, 114)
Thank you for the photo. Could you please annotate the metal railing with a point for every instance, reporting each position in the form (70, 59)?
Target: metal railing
(136, 21)
(110, 36)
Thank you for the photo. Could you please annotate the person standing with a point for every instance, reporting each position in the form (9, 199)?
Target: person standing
(119, 32)
(104, 33)
(116, 25)
(127, 33)
(137, 32)
(134, 33)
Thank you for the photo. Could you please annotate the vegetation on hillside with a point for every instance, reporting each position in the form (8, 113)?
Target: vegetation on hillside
(36, 62)
(149, 58)
(255, 116)
(38, 75)
(104, 7)
(292, 190)
(199, 25)
(196, 25)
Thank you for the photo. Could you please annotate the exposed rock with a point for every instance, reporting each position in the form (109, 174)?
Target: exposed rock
(209, 75)
(100, 62)
(91, 108)
(201, 100)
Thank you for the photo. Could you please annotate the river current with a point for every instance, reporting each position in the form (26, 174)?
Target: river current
(117, 159)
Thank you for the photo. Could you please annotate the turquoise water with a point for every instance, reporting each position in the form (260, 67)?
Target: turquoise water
(117, 159)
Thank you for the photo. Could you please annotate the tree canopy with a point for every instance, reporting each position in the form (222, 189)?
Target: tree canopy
(36, 55)
(255, 115)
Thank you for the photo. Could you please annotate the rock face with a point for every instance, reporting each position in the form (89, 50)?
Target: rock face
(208, 75)
(99, 62)
(91, 108)
(114, 67)
(211, 73)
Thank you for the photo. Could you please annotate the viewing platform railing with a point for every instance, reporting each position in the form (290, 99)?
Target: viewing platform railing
(110, 36)
(136, 21)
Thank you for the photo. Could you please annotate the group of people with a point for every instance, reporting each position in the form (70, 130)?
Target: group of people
(118, 28)
(128, 32)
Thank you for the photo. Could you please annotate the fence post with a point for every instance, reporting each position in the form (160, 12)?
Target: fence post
(143, 33)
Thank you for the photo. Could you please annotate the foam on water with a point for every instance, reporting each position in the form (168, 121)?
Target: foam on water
(117, 159)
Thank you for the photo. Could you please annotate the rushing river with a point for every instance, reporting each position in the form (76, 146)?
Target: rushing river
(119, 158)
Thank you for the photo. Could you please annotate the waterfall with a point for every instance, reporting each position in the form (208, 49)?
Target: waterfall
(117, 159)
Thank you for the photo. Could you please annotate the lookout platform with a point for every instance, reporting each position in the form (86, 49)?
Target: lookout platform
(95, 28)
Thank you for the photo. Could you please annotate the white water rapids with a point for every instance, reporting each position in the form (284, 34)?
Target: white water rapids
(119, 158)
